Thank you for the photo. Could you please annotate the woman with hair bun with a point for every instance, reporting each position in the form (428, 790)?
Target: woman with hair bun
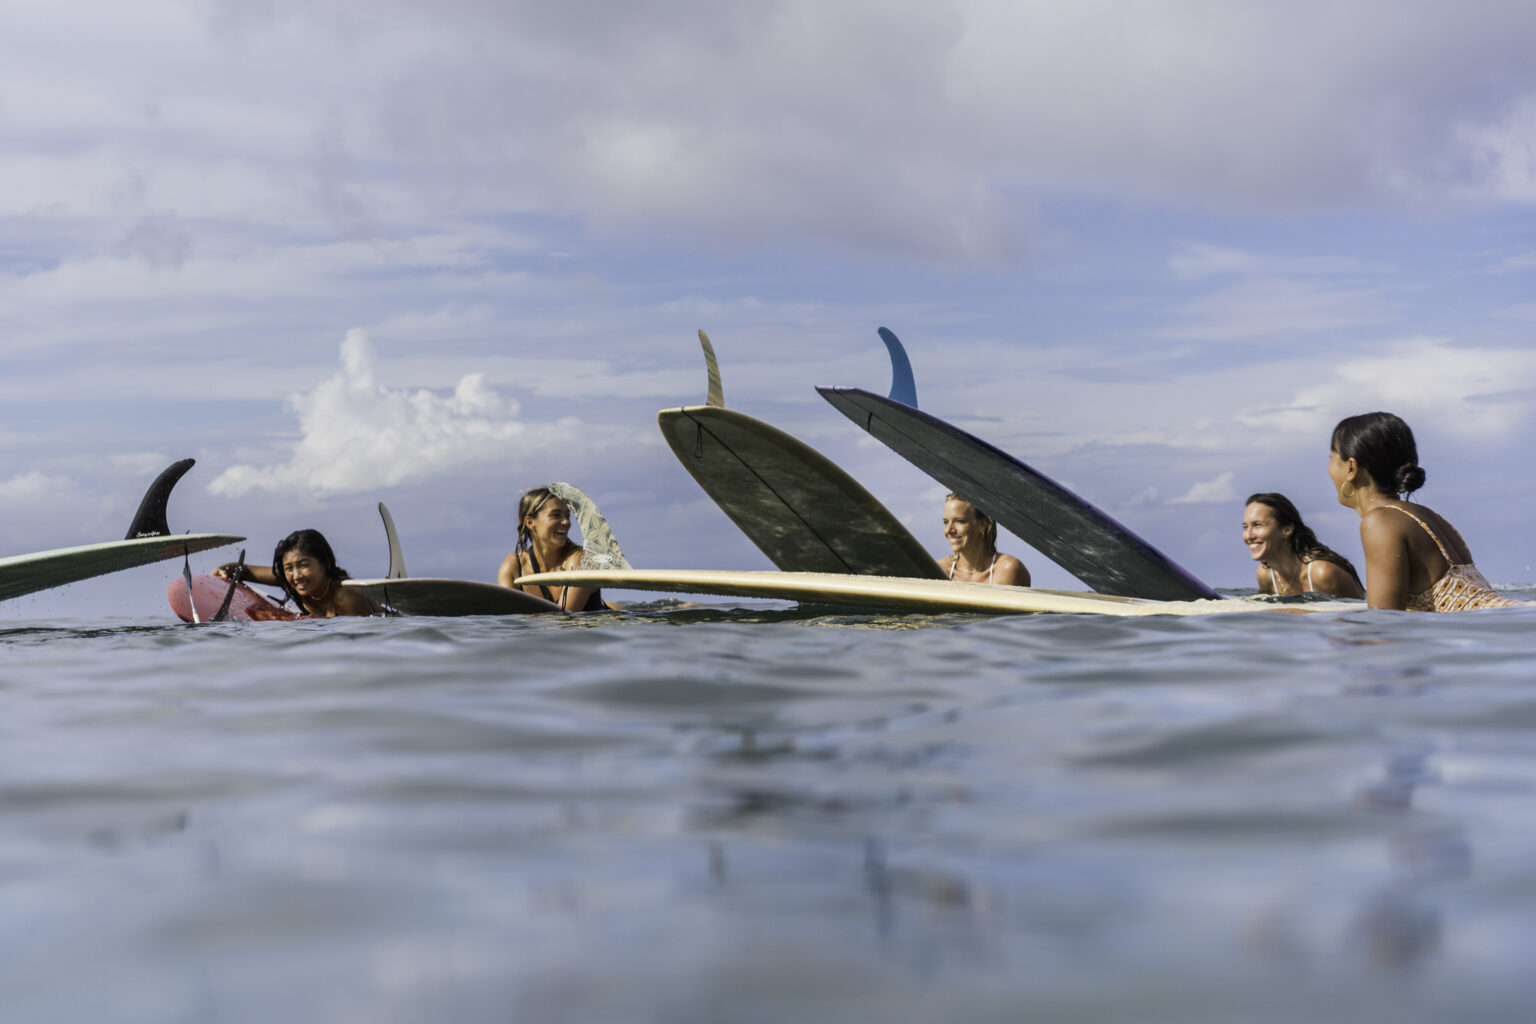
(1414, 559)
(1291, 558)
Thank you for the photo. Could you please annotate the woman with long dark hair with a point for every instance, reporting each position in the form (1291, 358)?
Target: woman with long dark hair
(1291, 558)
(1414, 559)
(304, 565)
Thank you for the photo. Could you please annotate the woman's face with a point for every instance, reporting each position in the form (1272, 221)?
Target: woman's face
(305, 573)
(551, 523)
(1264, 536)
(1338, 472)
(959, 523)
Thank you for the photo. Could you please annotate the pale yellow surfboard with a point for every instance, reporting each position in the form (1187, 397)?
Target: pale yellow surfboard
(903, 594)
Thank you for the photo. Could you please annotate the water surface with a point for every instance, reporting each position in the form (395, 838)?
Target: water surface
(732, 813)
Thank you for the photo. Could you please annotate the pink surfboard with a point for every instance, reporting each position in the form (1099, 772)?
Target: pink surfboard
(208, 593)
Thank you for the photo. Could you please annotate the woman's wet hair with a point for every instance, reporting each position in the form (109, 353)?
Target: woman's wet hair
(530, 504)
(986, 522)
(313, 544)
(1383, 446)
(1304, 543)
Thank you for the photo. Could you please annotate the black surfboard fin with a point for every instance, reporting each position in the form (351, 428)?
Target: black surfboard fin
(150, 520)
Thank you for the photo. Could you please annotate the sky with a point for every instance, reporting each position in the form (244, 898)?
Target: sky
(433, 254)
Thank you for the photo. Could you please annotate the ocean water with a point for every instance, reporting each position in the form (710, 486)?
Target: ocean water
(755, 813)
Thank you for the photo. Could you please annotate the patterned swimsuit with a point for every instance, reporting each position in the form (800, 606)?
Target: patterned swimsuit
(1461, 589)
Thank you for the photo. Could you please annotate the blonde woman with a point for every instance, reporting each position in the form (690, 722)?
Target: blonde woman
(972, 537)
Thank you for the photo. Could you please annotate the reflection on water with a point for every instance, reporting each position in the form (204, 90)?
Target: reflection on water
(701, 813)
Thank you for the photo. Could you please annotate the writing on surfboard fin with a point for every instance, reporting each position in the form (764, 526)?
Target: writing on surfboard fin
(149, 521)
(600, 548)
(716, 394)
(396, 559)
(903, 387)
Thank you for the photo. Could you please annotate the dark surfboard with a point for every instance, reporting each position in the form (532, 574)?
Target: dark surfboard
(422, 595)
(800, 509)
(1062, 526)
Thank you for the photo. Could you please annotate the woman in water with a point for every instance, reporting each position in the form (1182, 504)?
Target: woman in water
(972, 536)
(1414, 559)
(1291, 558)
(544, 545)
(305, 567)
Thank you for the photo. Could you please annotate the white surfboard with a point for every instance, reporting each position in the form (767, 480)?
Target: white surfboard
(149, 540)
(911, 595)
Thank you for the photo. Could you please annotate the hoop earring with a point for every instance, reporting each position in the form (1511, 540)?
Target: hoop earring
(1346, 490)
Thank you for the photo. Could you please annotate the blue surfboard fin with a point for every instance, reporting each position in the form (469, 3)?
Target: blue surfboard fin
(903, 387)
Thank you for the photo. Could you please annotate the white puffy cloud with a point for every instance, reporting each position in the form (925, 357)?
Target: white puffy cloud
(358, 435)
(34, 486)
(1209, 492)
(1467, 391)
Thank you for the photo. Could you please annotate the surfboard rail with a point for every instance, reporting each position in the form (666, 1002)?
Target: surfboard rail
(909, 594)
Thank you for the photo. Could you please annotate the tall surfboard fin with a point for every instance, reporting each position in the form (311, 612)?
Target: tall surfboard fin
(396, 559)
(600, 548)
(149, 521)
(903, 386)
(716, 394)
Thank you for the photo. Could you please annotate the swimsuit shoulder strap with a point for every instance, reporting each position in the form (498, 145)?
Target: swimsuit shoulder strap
(1274, 584)
(1432, 534)
(1311, 587)
(533, 560)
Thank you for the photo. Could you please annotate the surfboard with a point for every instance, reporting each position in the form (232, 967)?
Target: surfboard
(799, 508)
(1066, 529)
(912, 595)
(208, 594)
(425, 595)
(149, 540)
(421, 595)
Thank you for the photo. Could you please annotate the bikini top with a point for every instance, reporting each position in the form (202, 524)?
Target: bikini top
(1461, 588)
(1274, 583)
(594, 600)
(989, 568)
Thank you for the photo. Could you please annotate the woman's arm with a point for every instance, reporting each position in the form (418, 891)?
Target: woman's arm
(1010, 572)
(1334, 580)
(1265, 580)
(249, 574)
(1386, 561)
(511, 569)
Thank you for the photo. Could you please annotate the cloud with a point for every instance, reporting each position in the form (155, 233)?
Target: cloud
(357, 435)
(33, 487)
(1467, 391)
(1217, 491)
(1274, 307)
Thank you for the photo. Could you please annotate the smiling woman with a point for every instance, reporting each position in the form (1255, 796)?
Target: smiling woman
(544, 545)
(972, 536)
(305, 567)
(1291, 558)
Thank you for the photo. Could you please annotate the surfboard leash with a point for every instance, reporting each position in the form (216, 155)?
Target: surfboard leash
(234, 581)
